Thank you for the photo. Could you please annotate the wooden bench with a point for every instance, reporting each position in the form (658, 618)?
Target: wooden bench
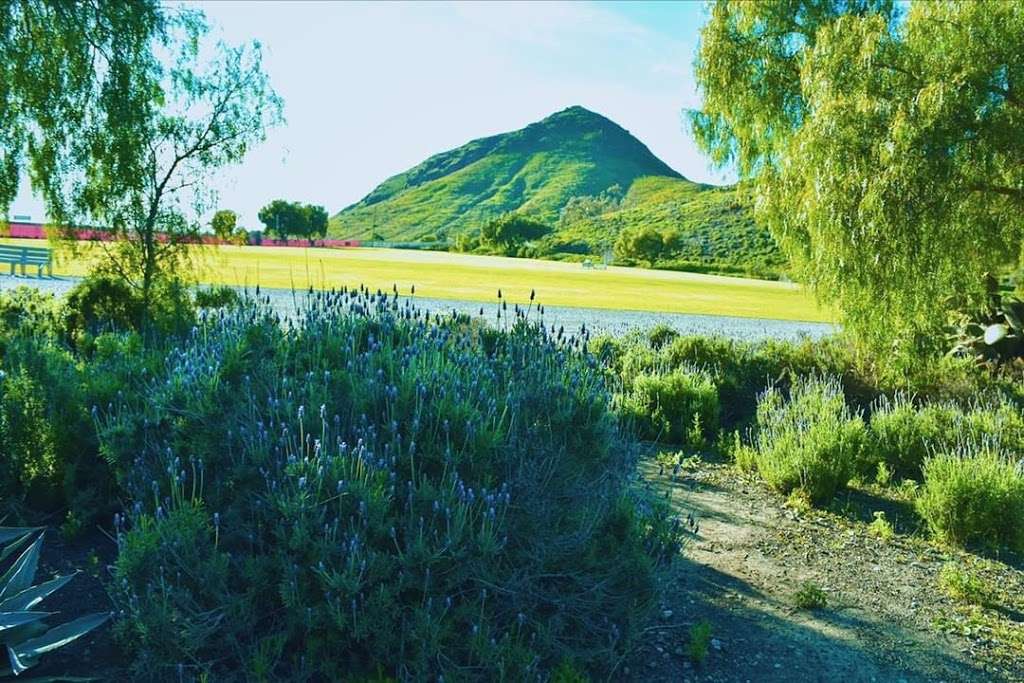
(40, 257)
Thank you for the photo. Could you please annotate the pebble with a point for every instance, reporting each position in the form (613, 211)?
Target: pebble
(666, 614)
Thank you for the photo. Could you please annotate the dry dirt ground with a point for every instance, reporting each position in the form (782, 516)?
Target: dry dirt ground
(886, 617)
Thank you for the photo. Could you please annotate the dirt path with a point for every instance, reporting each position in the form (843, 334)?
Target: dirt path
(749, 557)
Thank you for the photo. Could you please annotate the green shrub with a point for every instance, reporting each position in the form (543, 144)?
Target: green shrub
(217, 297)
(700, 642)
(902, 435)
(881, 528)
(974, 494)
(965, 586)
(666, 407)
(103, 303)
(367, 493)
(26, 311)
(661, 335)
(809, 440)
(810, 596)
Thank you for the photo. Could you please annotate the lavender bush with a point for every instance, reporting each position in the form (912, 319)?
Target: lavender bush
(371, 491)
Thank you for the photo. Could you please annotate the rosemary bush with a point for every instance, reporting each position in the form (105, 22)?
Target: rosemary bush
(368, 490)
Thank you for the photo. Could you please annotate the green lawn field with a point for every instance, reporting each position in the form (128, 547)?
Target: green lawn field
(465, 277)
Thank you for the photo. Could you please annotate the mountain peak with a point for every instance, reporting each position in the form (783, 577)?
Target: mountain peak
(535, 170)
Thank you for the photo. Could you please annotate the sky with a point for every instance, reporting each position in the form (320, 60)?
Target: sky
(372, 89)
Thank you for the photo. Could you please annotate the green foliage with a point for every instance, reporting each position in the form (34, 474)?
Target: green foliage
(581, 208)
(700, 642)
(285, 219)
(974, 494)
(509, 233)
(102, 303)
(63, 101)
(23, 630)
(367, 493)
(217, 297)
(225, 225)
(881, 527)
(666, 406)
(642, 244)
(965, 586)
(201, 112)
(809, 440)
(810, 596)
(882, 147)
(704, 229)
(902, 435)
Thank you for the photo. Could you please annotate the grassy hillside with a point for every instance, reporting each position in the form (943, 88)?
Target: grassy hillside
(716, 229)
(534, 170)
(538, 170)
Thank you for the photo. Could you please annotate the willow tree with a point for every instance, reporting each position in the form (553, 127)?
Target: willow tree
(884, 150)
(63, 74)
(127, 132)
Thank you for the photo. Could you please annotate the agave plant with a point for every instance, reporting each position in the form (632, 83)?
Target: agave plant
(23, 630)
(995, 335)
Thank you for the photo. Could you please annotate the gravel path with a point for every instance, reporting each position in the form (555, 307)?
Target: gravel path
(598, 321)
(886, 618)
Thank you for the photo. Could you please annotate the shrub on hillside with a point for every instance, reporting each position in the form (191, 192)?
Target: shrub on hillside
(974, 494)
(678, 407)
(809, 440)
(371, 491)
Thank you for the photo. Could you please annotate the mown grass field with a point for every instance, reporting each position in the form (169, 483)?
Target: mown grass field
(443, 275)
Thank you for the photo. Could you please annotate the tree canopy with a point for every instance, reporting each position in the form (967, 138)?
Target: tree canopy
(284, 219)
(75, 79)
(883, 150)
(123, 112)
(510, 231)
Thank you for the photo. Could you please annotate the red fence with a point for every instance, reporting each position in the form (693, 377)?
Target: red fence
(37, 231)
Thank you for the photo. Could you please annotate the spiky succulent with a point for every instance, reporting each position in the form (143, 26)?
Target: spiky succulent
(23, 629)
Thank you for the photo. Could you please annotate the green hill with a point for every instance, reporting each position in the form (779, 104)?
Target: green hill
(536, 171)
(714, 228)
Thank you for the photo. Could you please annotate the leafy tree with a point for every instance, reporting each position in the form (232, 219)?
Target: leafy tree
(884, 152)
(511, 231)
(137, 159)
(225, 225)
(284, 218)
(315, 222)
(642, 244)
(205, 116)
(75, 79)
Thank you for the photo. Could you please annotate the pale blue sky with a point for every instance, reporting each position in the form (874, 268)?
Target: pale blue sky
(372, 89)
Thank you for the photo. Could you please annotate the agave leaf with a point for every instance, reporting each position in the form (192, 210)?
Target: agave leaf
(11, 533)
(19, 634)
(995, 333)
(974, 330)
(19, 664)
(59, 636)
(1014, 312)
(10, 620)
(16, 544)
(19, 576)
(30, 597)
